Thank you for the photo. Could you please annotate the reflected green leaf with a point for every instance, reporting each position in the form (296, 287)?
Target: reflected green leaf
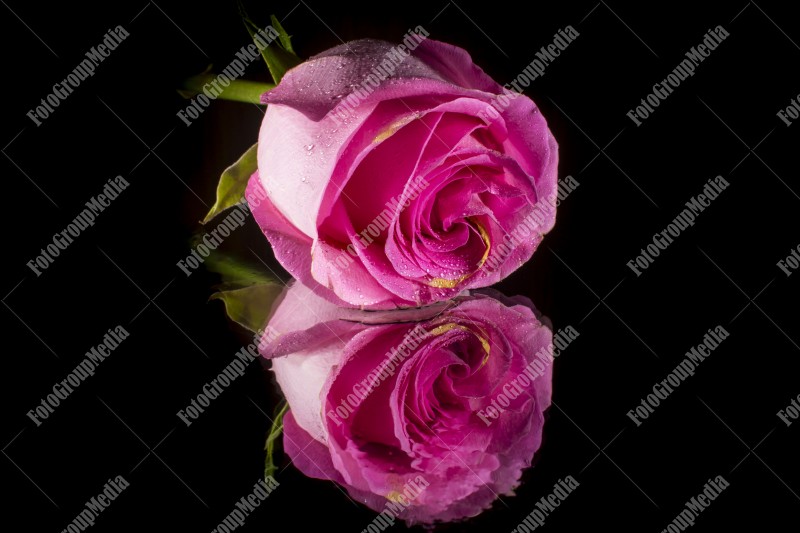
(249, 306)
(275, 431)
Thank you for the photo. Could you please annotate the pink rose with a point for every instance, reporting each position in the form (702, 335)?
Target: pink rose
(432, 412)
(394, 181)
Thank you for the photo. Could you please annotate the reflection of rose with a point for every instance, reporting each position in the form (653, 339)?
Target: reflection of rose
(376, 403)
(393, 191)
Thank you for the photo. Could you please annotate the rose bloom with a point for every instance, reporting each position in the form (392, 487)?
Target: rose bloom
(392, 181)
(450, 398)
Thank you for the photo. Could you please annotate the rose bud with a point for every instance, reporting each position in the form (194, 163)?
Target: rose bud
(429, 414)
(397, 178)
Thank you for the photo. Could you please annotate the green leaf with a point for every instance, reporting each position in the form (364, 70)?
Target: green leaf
(278, 56)
(278, 59)
(249, 306)
(285, 40)
(236, 91)
(247, 291)
(235, 273)
(233, 182)
(275, 431)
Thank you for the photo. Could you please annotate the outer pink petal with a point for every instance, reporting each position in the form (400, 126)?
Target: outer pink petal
(302, 376)
(313, 459)
(292, 248)
(296, 157)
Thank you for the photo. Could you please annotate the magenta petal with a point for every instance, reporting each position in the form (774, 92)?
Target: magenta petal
(312, 458)
(291, 247)
(323, 153)
(319, 84)
(455, 65)
(421, 420)
(309, 455)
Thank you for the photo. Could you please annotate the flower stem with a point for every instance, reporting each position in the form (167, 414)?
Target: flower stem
(237, 90)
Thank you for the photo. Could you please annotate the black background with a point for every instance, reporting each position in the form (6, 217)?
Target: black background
(633, 181)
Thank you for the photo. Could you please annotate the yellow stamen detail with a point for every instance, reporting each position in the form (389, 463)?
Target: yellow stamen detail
(394, 496)
(444, 328)
(443, 283)
(392, 128)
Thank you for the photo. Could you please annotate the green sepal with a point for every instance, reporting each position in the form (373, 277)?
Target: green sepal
(249, 306)
(233, 182)
(274, 432)
(285, 39)
(247, 292)
(279, 55)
